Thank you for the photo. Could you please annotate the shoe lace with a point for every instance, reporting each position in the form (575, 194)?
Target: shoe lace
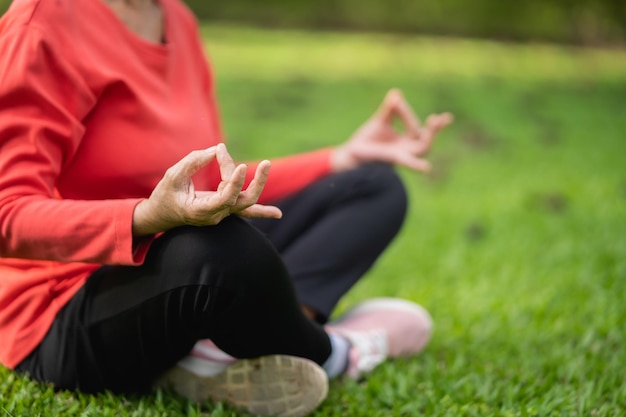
(371, 349)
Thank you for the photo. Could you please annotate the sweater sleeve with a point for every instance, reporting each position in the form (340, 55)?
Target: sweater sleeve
(292, 173)
(43, 101)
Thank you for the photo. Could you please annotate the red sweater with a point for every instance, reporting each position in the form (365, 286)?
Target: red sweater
(91, 116)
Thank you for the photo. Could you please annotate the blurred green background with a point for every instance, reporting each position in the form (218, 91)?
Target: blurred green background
(515, 242)
(577, 21)
(569, 21)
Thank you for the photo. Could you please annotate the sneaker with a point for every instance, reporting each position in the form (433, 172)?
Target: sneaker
(276, 385)
(206, 359)
(382, 328)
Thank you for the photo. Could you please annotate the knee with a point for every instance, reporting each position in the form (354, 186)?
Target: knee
(385, 182)
(233, 247)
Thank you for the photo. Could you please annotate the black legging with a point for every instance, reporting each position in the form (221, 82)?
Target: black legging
(127, 325)
(333, 231)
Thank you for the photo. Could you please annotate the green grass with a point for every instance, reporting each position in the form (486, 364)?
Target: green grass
(516, 242)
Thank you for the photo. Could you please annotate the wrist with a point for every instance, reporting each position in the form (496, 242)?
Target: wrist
(144, 222)
(341, 159)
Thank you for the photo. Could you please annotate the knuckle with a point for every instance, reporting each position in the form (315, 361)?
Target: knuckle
(229, 201)
(247, 199)
(194, 154)
(170, 173)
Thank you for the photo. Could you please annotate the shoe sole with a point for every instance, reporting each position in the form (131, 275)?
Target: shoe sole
(276, 385)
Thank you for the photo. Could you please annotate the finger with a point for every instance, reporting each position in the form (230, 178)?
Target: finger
(225, 162)
(229, 190)
(261, 211)
(180, 172)
(253, 192)
(409, 118)
(396, 105)
(413, 163)
(386, 110)
(439, 121)
(434, 123)
(427, 135)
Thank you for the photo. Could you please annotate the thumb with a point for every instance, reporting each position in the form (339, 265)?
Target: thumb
(387, 109)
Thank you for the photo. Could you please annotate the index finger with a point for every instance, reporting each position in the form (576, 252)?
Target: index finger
(190, 164)
(396, 105)
(225, 162)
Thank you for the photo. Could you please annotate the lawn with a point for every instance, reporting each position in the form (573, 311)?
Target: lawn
(516, 241)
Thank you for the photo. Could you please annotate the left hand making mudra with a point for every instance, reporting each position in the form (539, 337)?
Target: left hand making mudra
(377, 140)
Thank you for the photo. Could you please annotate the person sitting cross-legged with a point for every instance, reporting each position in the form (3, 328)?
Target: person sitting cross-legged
(135, 252)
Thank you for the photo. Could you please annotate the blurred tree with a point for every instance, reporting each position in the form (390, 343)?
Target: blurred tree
(572, 21)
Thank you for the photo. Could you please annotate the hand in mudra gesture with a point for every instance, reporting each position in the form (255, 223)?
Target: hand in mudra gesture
(175, 201)
(378, 140)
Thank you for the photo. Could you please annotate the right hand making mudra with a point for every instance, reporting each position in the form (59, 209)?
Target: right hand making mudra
(175, 201)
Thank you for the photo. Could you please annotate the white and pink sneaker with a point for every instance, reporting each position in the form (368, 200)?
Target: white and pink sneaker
(382, 328)
(277, 385)
(206, 359)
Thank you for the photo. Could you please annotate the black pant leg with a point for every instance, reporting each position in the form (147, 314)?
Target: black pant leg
(129, 324)
(333, 231)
